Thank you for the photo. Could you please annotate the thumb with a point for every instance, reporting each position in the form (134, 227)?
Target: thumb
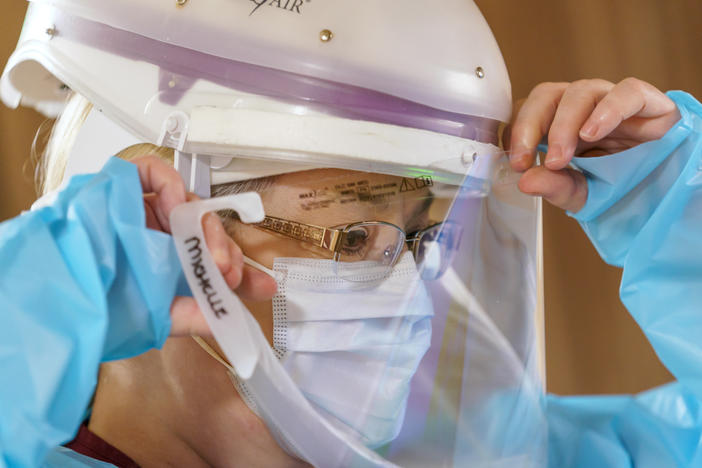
(564, 188)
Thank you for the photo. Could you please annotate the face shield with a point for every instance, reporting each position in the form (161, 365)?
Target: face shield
(407, 325)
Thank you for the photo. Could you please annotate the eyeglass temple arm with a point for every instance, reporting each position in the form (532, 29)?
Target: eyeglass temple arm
(412, 238)
(325, 238)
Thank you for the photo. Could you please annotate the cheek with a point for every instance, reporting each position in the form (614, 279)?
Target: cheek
(248, 239)
(263, 313)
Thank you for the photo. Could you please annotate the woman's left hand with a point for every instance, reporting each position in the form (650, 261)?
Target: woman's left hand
(583, 118)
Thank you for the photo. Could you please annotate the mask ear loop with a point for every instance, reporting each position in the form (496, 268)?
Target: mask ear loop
(212, 352)
(254, 264)
(241, 389)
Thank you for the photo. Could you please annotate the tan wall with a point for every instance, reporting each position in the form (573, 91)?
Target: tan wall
(17, 128)
(593, 346)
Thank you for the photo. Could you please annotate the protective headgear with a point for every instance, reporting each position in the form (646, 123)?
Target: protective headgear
(224, 78)
(407, 94)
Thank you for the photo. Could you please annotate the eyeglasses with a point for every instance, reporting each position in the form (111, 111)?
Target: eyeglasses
(359, 248)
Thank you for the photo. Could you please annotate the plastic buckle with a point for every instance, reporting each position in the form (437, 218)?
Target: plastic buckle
(193, 168)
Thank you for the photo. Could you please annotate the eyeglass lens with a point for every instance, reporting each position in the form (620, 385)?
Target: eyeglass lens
(436, 248)
(368, 250)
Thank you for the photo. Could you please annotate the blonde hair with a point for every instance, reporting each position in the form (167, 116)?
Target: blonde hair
(52, 165)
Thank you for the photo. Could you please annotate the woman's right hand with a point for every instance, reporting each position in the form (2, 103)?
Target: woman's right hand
(164, 189)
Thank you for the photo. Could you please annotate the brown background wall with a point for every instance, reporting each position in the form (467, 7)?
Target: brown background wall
(593, 346)
(17, 128)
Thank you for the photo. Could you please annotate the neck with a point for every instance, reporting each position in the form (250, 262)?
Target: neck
(177, 406)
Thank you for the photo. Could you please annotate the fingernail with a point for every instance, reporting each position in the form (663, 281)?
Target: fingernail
(589, 130)
(220, 256)
(519, 156)
(554, 156)
(516, 157)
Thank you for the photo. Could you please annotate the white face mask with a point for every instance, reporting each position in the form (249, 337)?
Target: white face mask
(352, 348)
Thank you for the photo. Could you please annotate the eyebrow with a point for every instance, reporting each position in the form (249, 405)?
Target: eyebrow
(424, 206)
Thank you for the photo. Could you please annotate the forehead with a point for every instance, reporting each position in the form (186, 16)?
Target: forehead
(329, 196)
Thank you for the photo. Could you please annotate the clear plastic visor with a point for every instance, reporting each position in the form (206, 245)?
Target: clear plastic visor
(408, 311)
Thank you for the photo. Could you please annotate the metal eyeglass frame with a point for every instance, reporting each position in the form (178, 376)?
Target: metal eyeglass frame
(330, 238)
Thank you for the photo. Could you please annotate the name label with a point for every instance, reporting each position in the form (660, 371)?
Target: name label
(203, 277)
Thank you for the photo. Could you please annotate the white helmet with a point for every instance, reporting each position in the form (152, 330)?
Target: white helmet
(241, 78)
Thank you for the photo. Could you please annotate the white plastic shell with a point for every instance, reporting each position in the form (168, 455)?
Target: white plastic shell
(441, 54)
(134, 61)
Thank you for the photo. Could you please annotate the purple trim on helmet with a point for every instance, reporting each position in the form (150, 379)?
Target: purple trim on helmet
(182, 67)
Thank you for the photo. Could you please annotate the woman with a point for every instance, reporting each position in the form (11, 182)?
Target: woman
(376, 187)
(394, 332)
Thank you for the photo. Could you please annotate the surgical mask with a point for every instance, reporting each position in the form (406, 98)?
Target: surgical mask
(352, 348)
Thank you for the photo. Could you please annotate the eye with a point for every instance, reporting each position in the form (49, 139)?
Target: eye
(354, 240)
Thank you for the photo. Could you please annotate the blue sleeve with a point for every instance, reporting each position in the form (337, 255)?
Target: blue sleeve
(644, 214)
(655, 429)
(82, 281)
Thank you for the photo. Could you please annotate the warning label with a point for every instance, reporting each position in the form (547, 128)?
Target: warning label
(350, 192)
(410, 185)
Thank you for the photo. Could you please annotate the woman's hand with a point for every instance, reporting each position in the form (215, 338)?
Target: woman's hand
(583, 118)
(163, 190)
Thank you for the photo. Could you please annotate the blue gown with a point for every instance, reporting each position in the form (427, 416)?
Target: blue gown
(84, 282)
(644, 214)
